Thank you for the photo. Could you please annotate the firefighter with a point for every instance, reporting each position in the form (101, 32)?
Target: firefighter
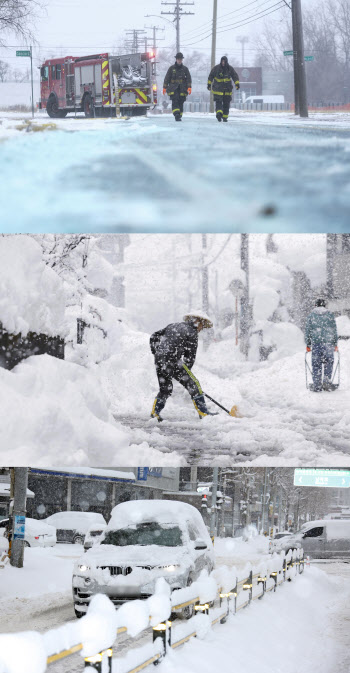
(321, 339)
(220, 83)
(177, 84)
(174, 349)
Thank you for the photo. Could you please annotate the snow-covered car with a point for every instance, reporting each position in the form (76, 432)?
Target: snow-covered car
(72, 527)
(324, 538)
(37, 533)
(283, 533)
(275, 542)
(144, 540)
(93, 535)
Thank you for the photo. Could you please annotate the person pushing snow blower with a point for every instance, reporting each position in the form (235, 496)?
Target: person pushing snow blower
(321, 339)
(174, 349)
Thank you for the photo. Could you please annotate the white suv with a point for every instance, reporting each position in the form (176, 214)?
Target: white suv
(144, 540)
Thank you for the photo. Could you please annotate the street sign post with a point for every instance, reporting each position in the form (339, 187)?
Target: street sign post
(288, 53)
(322, 478)
(308, 58)
(29, 54)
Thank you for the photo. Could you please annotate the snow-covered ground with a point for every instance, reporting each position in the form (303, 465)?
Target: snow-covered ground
(100, 397)
(151, 174)
(303, 626)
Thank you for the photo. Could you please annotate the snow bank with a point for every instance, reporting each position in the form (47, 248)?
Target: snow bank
(32, 296)
(61, 407)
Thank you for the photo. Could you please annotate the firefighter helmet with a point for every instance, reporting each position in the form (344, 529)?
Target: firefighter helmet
(179, 55)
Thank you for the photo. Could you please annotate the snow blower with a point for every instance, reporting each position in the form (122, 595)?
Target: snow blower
(234, 411)
(335, 377)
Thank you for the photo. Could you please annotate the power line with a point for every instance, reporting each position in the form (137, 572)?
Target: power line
(277, 6)
(208, 24)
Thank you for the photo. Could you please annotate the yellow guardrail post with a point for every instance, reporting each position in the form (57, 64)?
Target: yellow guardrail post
(274, 576)
(162, 631)
(248, 586)
(97, 661)
(262, 580)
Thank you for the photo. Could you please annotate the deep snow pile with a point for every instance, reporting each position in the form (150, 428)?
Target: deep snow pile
(32, 296)
(51, 407)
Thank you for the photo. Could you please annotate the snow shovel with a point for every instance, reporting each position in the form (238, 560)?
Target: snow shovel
(234, 411)
(335, 377)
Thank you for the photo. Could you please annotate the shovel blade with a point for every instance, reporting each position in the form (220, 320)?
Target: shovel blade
(234, 412)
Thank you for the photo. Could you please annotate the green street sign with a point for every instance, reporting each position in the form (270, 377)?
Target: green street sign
(22, 53)
(325, 478)
(288, 53)
(308, 58)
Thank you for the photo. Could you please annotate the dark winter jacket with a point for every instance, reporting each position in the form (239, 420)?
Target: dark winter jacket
(178, 78)
(321, 327)
(178, 341)
(220, 78)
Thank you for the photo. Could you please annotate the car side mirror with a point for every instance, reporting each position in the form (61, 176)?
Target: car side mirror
(200, 544)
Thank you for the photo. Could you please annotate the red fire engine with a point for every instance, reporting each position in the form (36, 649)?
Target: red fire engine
(98, 85)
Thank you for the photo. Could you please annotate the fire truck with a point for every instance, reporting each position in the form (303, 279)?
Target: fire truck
(98, 85)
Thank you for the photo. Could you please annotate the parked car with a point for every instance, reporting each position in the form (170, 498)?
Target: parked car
(37, 533)
(93, 535)
(72, 527)
(144, 540)
(325, 538)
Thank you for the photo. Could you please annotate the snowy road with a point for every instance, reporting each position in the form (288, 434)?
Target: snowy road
(154, 175)
(282, 423)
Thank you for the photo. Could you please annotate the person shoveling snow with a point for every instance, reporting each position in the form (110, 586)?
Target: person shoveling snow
(321, 339)
(174, 349)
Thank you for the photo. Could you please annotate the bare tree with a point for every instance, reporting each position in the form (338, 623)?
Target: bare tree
(4, 71)
(17, 16)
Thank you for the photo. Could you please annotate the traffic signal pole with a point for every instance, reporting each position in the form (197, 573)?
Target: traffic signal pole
(214, 492)
(20, 475)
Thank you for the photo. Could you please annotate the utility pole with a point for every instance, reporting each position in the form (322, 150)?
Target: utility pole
(330, 262)
(214, 491)
(205, 276)
(19, 480)
(213, 47)
(155, 29)
(134, 42)
(194, 477)
(178, 13)
(243, 39)
(245, 306)
(299, 60)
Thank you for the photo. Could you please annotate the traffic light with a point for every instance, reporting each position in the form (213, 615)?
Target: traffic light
(219, 500)
(204, 504)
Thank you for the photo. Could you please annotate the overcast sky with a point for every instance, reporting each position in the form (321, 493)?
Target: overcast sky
(83, 26)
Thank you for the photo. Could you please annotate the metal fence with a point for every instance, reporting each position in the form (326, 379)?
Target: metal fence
(217, 598)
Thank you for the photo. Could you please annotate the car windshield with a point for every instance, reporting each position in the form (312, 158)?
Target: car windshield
(145, 534)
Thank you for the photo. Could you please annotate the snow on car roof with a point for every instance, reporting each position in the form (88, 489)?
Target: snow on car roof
(163, 511)
(336, 528)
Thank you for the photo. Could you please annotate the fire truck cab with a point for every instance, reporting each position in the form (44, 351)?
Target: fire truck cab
(98, 85)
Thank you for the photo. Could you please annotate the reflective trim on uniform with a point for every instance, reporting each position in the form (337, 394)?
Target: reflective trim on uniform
(171, 93)
(176, 109)
(209, 81)
(154, 406)
(237, 82)
(218, 93)
(193, 378)
(226, 79)
(226, 116)
(219, 111)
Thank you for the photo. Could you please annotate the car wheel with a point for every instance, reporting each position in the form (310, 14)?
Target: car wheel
(52, 108)
(188, 611)
(78, 540)
(78, 614)
(26, 544)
